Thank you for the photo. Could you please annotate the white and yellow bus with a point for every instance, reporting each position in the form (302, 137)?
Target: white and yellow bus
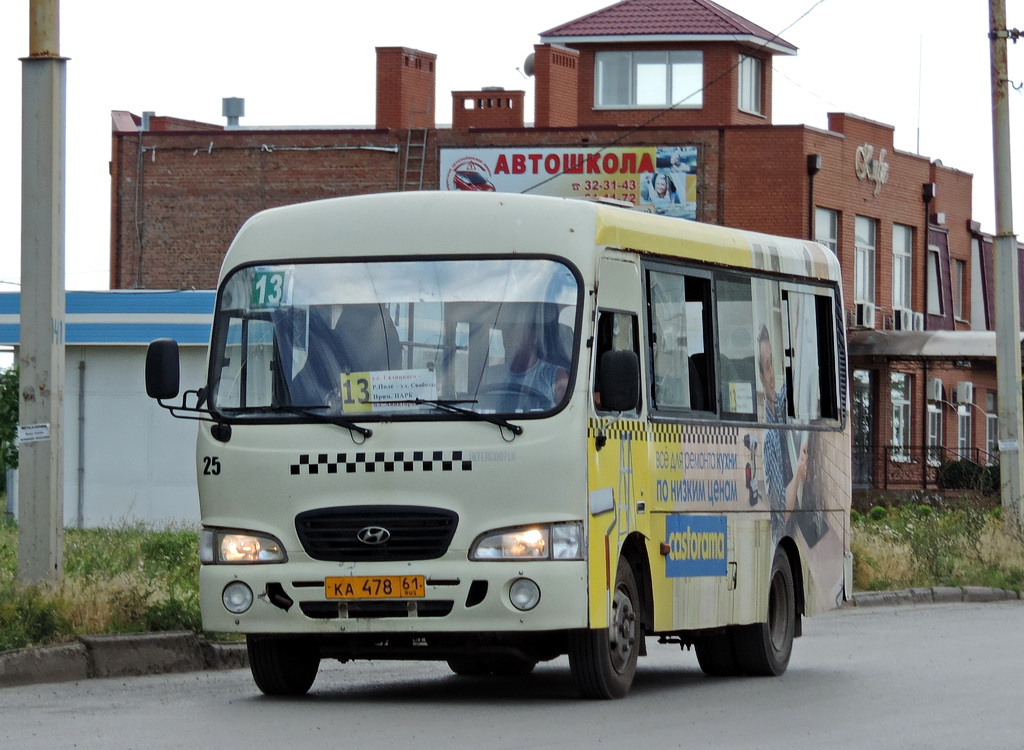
(495, 429)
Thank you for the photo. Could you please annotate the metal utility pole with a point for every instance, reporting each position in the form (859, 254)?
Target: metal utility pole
(41, 351)
(1008, 357)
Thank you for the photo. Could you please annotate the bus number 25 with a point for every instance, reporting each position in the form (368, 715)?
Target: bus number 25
(211, 465)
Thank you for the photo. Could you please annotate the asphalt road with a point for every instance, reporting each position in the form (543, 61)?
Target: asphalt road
(926, 676)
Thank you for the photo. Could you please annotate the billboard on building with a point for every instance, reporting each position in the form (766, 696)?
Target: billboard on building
(659, 179)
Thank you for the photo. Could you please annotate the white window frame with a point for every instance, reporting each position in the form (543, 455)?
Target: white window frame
(751, 85)
(681, 72)
(964, 427)
(992, 427)
(934, 434)
(864, 248)
(901, 415)
(902, 267)
(826, 228)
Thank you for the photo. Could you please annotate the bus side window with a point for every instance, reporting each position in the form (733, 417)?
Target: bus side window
(810, 357)
(615, 331)
(737, 345)
(680, 328)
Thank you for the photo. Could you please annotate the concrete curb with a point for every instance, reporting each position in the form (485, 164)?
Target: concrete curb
(98, 656)
(936, 595)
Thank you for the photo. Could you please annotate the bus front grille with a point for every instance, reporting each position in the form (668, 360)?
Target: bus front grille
(376, 532)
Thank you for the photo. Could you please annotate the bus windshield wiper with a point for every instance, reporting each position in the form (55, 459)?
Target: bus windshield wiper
(308, 411)
(451, 406)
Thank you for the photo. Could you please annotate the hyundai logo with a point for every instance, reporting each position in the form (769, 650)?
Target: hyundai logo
(373, 535)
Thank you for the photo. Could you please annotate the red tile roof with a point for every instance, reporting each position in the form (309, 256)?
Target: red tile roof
(679, 19)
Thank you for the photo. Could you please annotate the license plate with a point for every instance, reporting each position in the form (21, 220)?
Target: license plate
(375, 587)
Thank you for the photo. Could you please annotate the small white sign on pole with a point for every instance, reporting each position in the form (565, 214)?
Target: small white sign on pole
(33, 433)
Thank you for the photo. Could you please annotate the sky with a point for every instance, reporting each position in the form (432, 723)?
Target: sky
(922, 66)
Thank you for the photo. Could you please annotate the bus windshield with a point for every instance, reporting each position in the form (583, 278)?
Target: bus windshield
(398, 338)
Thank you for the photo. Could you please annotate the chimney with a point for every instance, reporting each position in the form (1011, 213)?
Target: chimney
(491, 107)
(406, 85)
(555, 92)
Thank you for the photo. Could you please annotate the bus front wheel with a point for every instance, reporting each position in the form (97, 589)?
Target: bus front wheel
(603, 661)
(283, 665)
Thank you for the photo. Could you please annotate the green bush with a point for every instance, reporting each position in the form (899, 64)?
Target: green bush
(878, 513)
(967, 475)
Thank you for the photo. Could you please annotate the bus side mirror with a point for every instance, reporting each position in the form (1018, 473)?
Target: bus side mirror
(162, 369)
(619, 380)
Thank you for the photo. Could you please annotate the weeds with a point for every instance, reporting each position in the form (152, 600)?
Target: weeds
(918, 545)
(126, 580)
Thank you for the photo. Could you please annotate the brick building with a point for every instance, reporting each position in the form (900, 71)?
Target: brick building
(643, 88)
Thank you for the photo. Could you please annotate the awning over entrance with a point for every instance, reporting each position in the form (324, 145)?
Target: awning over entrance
(922, 344)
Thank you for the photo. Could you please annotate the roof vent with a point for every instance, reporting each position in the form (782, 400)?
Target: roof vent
(232, 108)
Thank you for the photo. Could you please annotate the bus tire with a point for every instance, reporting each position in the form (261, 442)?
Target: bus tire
(763, 649)
(603, 661)
(716, 655)
(283, 665)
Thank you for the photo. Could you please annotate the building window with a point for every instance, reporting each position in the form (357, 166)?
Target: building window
(902, 265)
(963, 431)
(991, 427)
(934, 282)
(750, 84)
(934, 434)
(959, 279)
(826, 228)
(864, 270)
(650, 79)
(900, 416)
(979, 316)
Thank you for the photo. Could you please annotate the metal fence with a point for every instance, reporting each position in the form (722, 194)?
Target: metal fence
(925, 467)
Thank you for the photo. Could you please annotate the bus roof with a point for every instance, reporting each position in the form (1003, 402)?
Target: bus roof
(431, 222)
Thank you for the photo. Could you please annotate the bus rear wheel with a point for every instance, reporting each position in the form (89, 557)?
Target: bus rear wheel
(283, 665)
(716, 655)
(764, 648)
(603, 661)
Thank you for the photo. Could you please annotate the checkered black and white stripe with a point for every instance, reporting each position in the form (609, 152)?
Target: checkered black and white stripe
(369, 463)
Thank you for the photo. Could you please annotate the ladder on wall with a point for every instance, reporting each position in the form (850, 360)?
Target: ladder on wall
(415, 151)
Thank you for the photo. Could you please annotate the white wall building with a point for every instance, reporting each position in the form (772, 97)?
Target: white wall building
(126, 460)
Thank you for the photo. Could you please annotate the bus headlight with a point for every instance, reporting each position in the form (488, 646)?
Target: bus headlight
(234, 547)
(554, 541)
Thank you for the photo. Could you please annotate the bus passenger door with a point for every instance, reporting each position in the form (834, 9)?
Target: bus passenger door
(618, 506)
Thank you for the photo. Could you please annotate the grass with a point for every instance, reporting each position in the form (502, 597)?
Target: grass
(919, 545)
(135, 579)
(126, 580)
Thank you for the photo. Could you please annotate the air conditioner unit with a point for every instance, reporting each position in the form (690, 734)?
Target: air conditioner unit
(866, 314)
(965, 392)
(918, 322)
(935, 389)
(904, 320)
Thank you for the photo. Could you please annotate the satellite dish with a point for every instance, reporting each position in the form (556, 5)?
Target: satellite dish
(528, 64)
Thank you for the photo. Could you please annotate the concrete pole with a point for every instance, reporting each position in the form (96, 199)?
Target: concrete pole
(1008, 357)
(41, 350)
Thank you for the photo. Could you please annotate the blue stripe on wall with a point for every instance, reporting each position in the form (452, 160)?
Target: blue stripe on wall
(124, 303)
